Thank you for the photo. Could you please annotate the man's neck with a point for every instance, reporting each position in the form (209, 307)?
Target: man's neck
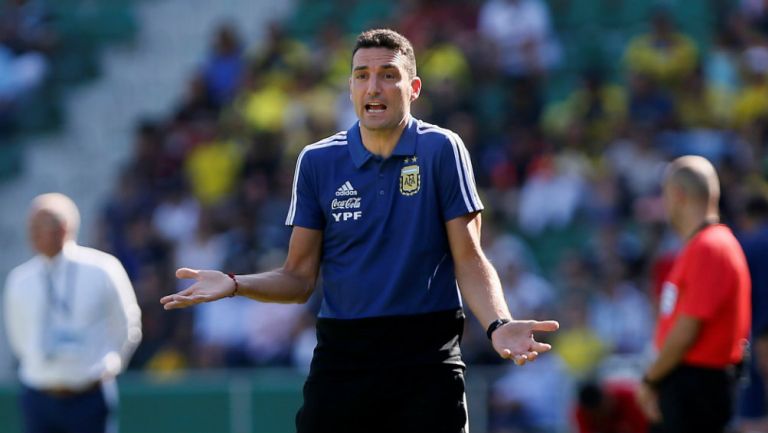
(382, 142)
(51, 257)
(695, 225)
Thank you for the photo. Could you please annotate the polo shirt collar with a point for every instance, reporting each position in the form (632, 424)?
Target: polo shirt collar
(406, 145)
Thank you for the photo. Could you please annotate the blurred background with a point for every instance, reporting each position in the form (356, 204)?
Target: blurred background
(175, 126)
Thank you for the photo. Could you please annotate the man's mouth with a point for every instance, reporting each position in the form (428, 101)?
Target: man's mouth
(375, 107)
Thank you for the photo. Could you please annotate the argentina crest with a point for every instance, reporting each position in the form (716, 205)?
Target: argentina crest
(410, 180)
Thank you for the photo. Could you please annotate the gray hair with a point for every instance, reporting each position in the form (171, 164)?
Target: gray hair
(62, 208)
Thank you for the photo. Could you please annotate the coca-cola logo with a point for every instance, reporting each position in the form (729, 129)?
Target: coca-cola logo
(350, 203)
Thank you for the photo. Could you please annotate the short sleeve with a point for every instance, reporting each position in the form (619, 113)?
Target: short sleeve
(709, 277)
(456, 181)
(305, 210)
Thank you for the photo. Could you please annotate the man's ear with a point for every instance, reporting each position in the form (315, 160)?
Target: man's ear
(415, 88)
(678, 195)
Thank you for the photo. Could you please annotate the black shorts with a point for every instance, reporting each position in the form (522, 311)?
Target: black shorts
(696, 400)
(424, 400)
(386, 374)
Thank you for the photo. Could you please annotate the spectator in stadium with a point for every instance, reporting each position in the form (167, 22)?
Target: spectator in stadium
(522, 34)
(664, 54)
(721, 65)
(446, 73)
(223, 70)
(27, 38)
(700, 105)
(72, 321)
(390, 210)
(27, 26)
(753, 406)
(578, 345)
(751, 105)
(550, 195)
(525, 291)
(598, 106)
(176, 213)
(755, 12)
(637, 161)
(458, 16)
(650, 106)
(534, 399)
(218, 328)
(212, 168)
(760, 351)
(619, 313)
(609, 406)
(704, 311)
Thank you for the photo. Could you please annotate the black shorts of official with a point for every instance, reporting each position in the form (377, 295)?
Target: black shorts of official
(696, 400)
(390, 374)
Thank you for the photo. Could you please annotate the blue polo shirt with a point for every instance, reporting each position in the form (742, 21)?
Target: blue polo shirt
(385, 247)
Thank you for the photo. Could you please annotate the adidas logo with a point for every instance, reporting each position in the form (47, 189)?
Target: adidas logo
(346, 190)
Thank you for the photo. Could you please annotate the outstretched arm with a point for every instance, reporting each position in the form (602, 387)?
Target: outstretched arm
(294, 282)
(481, 289)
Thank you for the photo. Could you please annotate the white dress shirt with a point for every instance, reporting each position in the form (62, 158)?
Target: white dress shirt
(80, 326)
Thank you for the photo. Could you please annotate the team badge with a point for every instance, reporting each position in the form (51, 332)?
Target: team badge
(410, 180)
(668, 298)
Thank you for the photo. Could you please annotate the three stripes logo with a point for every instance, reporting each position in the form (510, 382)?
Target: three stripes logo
(346, 190)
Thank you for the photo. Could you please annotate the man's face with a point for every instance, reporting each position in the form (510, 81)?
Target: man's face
(381, 89)
(46, 233)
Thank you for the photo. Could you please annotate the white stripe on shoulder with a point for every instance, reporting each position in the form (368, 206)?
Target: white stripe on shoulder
(463, 165)
(339, 139)
(334, 140)
(470, 171)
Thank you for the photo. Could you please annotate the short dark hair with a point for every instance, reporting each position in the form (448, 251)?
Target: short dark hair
(590, 395)
(757, 206)
(390, 39)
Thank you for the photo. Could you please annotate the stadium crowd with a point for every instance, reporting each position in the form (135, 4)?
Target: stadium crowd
(568, 153)
(27, 40)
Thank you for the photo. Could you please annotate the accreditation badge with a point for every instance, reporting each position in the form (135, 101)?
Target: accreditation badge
(410, 180)
(62, 342)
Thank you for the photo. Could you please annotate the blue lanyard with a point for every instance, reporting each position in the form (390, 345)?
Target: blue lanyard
(62, 302)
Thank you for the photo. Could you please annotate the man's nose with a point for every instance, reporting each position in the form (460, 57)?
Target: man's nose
(373, 86)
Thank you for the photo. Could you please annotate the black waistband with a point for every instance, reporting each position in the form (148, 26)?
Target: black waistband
(389, 342)
(731, 370)
(730, 373)
(64, 392)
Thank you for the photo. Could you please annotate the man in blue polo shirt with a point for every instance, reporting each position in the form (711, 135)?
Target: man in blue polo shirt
(391, 211)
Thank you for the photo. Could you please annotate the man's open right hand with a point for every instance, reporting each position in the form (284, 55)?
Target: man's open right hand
(209, 286)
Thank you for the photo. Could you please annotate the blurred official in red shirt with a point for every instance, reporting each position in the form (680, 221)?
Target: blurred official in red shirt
(704, 310)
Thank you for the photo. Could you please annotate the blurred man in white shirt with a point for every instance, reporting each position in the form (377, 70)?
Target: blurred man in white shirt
(72, 322)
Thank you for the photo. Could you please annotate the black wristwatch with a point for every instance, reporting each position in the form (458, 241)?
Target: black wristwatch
(496, 324)
(653, 384)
